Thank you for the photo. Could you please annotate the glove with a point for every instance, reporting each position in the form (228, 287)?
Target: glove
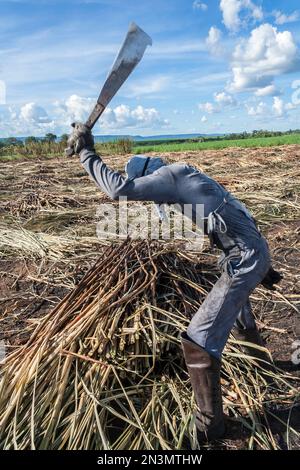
(272, 277)
(81, 138)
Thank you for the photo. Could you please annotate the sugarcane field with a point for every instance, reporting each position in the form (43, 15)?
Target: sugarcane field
(92, 329)
(149, 233)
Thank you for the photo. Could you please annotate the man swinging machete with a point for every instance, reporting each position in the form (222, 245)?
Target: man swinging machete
(245, 261)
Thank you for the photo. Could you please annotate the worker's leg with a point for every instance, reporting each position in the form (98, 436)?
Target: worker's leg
(245, 319)
(208, 332)
(245, 330)
(204, 371)
(211, 325)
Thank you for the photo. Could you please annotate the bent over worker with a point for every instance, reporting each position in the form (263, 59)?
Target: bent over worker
(245, 263)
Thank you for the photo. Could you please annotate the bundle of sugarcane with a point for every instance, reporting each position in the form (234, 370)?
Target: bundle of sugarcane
(104, 369)
(74, 383)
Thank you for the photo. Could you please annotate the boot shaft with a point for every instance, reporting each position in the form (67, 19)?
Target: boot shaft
(204, 372)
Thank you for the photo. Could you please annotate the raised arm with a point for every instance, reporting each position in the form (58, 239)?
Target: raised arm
(156, 187)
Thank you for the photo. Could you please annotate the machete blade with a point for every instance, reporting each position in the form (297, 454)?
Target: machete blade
(127, 59)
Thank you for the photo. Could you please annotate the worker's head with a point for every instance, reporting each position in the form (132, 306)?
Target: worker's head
(139, 165)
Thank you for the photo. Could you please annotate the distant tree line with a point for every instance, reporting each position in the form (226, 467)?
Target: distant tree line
(32, 146)
(51, 145)
(211, 138)
(48, 138)
(256, 134)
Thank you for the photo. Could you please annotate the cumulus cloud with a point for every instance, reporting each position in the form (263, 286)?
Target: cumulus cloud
(224, 99)
(282, 18)
(75, 108)
(269, 90)
(260, 58)
(213, 40)
(33, 113)
(258, 110)
(32, 119)
(290, 106)
(197, 5)
(278, 109)
(236, 13)
(209, 108)
(124, 117)
(204, 119)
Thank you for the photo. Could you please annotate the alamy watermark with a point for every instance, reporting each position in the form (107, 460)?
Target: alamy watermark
(296, 93)
(2, 352)
(296, 352)
(152, 222)
(2, 92)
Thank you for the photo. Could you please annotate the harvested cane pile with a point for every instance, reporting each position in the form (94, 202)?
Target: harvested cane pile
(104, 369)
(86, 377)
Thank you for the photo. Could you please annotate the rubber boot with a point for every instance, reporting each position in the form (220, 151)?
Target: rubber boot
(204, 372)
(253, 336)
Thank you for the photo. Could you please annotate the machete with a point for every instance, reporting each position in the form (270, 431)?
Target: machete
(130, 54)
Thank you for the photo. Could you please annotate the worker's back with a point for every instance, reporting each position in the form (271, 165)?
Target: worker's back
(187, 185)
(180, 184)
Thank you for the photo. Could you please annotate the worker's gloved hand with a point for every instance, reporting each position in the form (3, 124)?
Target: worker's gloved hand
(81, 138)
(272, 277)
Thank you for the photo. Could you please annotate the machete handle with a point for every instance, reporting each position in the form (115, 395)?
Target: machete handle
(94, 116)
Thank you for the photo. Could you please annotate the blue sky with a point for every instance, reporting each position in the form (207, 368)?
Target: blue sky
(215, 65)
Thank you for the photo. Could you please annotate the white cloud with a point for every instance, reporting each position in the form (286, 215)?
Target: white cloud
(32, 119)
(221, 99)
(124, 117)
(204, 119)
(75, 108)
(269, 90)
(148, 86)
(264, 55)
(213, 40)
(282, 18)
(278, 109)
(199, 5)
(209, 108)
(258, 110)
(33, 113)
(278, 106)
(290, 106)
(236, 13)
(224, 99)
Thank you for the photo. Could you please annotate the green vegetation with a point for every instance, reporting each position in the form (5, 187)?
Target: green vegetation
(117, 147)
(50, 145)
(50, 137)
(217, 143)
(31, 148)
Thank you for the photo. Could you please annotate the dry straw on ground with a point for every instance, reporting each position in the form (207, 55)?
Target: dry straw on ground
(68, 387)
(104, 369)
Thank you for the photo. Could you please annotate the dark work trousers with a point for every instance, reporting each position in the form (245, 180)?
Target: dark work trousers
(228, 302)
